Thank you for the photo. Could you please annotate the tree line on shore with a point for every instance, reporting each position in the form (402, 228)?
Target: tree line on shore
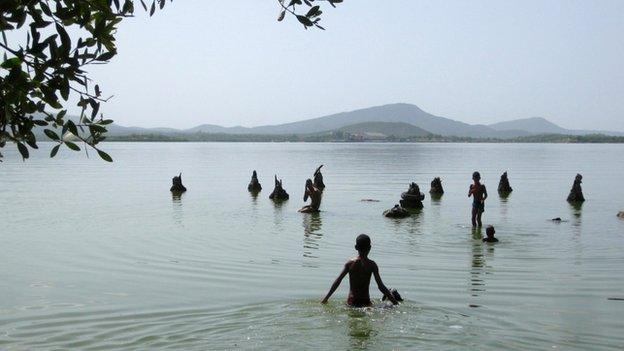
(341, 136)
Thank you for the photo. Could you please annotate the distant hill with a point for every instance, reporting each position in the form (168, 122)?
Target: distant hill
(392, 119)
(534, 125)
(212, 128)
(540, 125)
(397, 113)
(375, 130)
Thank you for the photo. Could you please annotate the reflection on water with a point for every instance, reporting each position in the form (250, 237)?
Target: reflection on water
(478, 265)
(477, 233)
(504, 198)
(436, 199)
(576, 209)
(360, 329)
(278, 214)
(477, 284)
(412, 224)
(415, 221)
(254, 196)
(178, 213)
(312, 224)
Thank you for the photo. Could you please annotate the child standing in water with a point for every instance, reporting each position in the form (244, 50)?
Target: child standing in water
(479, 194)
(360, 270)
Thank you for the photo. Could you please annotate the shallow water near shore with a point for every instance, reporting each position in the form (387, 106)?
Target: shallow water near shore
(99, 256)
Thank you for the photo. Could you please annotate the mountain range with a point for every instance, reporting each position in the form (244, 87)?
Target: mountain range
(398, 119)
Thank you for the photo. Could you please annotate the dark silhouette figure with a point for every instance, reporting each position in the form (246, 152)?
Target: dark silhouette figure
(479, 194)
(489, 231)
(360, 270)
(177, 186)
(254, 184)
(503, 185)
(396, 212)
(278, 194)
(318, 179)
(412, 198)
(315, 198)
(576, 193)
(436, 187)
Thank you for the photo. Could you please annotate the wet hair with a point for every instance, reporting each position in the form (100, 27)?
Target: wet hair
(476, 175)
(362, 242)
(490, 229)
(309, 182)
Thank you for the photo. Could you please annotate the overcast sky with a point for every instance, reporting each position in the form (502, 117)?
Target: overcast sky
(231, 63)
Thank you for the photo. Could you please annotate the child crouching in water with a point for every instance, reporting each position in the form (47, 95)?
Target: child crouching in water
(489, 231)
(360, 270)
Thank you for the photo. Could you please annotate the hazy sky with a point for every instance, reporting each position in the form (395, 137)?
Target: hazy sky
(231, 63)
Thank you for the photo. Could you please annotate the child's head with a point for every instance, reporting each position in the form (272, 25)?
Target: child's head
(363, 244)
(476, 176)
(490, 231)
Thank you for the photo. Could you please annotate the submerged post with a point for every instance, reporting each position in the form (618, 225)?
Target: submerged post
(176, 186)
(412, 198)
(576, 193)
(254, 184)
(503, 184)
(436, 187)
(318, 179)
(278, 194)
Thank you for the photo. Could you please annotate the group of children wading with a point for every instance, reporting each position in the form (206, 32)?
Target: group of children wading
(361, 268)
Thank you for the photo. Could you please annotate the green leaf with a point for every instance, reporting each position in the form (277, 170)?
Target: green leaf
(22, 150)
(313, 11)
(104, 156)
(71, 126)
(72, 146)
(305, 21)
(106, 56)
(97, 128)
(32, 143)
(51, 134)
(65, 40)
(12, 63)
(55, 150)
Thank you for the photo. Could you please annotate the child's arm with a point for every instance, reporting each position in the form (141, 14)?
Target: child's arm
(382, 287)
(470, 190)
(484, 193)
(337, 282)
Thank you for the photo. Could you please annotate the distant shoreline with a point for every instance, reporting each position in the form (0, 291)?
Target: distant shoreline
(351, 138)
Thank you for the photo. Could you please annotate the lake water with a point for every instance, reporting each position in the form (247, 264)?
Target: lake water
(99, 256)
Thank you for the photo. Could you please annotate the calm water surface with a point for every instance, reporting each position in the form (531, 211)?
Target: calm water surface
(99, 256)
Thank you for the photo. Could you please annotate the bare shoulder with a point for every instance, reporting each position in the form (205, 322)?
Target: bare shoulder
(373, 265)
